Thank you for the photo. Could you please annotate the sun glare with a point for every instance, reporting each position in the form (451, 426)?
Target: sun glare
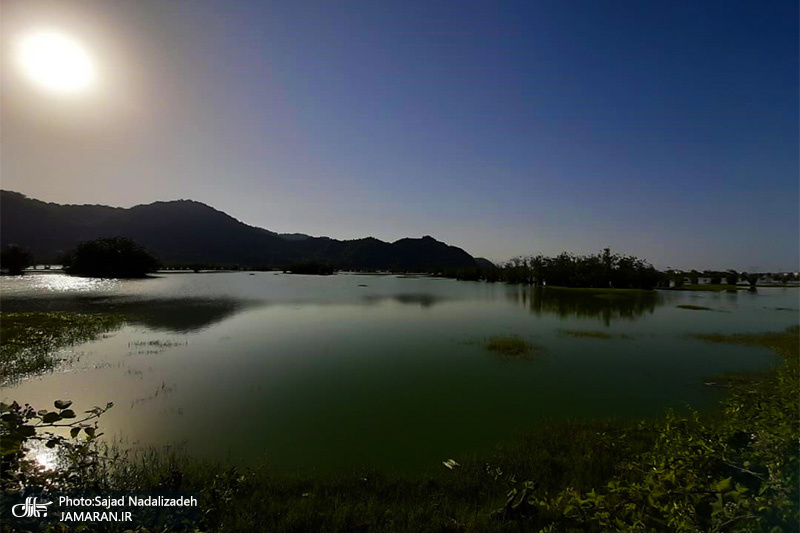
(56, 62)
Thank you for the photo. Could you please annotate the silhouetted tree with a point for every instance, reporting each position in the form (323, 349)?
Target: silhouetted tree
(607, 263)
(116, 257)
(732, 277)
(197, 267)
(15, 260)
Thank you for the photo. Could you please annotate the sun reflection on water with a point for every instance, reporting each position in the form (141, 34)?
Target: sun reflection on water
(60, 283)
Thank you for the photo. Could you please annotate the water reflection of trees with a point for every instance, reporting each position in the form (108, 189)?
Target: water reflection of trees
(567, 303)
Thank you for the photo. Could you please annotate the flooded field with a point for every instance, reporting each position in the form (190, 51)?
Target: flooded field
(322, 373)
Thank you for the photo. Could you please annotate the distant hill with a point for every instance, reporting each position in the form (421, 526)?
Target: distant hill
(185, 231)
(485, 264)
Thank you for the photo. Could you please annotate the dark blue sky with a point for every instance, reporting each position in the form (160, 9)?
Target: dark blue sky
(667, 130)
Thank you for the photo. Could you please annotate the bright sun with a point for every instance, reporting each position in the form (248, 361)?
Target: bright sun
(56, 62)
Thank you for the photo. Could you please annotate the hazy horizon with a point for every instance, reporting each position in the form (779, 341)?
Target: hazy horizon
(665, 131)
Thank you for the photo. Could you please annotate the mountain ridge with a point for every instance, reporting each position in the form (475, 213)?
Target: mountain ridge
(187, 231)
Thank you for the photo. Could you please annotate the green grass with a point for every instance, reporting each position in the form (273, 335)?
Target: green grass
(694, 307)
(582, 334)
(29, 341)
(559, 453)
(512, 347)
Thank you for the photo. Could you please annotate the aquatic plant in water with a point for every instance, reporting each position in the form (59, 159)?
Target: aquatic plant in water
(30, 340)
(512, 347)
(583, 334)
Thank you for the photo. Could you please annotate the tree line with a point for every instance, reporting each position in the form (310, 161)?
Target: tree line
(123, 257)
(114, 257)
(603, 270)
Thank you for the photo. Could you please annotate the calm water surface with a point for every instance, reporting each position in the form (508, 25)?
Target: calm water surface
(323, 373)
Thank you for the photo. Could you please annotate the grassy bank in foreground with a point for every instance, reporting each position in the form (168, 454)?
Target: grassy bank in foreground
(733, 469)
(29, 341)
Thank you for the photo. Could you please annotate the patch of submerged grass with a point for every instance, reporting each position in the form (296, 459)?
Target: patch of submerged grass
(582, 334)
(512, 347)
(707, 288)
(694, 307)
(28, 340)
(785, 343)
(599, 290)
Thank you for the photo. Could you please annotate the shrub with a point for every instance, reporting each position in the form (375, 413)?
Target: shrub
(14, 259)
(116, 257)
